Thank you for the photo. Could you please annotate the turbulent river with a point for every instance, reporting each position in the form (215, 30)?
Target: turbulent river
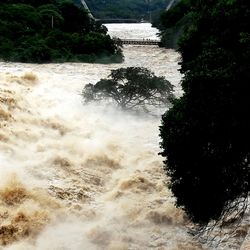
(75, 176)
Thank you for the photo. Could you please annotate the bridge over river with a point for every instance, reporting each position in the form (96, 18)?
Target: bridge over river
(128, 41)
(118, 20)
(140, 41)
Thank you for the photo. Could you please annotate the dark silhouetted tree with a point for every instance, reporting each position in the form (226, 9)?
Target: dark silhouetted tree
(206, 134)
(131, 88)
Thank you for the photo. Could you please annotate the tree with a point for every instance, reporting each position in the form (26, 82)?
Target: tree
(130, 88)
(41, 31)
(206, 135)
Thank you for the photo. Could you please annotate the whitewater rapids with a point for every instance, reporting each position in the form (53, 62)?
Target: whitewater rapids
(76, 177)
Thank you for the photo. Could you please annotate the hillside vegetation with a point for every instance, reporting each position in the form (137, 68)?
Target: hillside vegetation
(135, 9)
(206, 136)
(173, 22)
(52, 30)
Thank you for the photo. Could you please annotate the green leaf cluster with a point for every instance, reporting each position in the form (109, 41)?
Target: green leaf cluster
(206, 135)
(52, 31)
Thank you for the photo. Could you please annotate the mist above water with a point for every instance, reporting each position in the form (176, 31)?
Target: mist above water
(77, 176)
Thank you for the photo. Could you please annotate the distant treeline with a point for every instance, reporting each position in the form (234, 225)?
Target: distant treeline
(134, 9)
(40, 31)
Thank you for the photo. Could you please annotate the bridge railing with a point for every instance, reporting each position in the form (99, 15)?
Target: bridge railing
(139, 41)
(118, 20)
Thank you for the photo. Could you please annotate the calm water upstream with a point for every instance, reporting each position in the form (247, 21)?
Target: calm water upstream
(83, 177)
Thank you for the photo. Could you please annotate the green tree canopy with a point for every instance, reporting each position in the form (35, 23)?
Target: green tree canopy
(52, 30)
(206, 135)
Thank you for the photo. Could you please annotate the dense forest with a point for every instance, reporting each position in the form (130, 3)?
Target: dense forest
(206, 136)
(135, 9)
(52, 30)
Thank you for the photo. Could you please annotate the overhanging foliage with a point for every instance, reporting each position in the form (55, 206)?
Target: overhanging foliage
(206, 135)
